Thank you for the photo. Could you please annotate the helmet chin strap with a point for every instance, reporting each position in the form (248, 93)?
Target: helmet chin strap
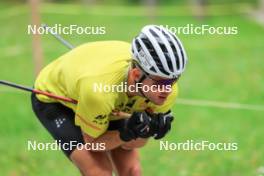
(142, 78)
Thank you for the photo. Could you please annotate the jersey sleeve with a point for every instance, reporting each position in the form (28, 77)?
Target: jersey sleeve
(92, 112)
(168, 103)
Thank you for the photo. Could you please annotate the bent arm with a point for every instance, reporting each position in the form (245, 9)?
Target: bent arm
(111, 139)
(138, 143)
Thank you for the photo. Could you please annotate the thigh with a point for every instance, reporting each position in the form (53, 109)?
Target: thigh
(92, 163)
(59, 121)
(126, 162)
(138, 143)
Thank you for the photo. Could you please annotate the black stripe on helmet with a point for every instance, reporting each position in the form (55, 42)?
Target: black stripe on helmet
(181, 49)
(138, 46)
(154, 55)
(174, 50)
(164, 50)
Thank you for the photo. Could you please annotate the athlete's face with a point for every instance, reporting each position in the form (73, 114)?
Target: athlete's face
(160, 89)
(155, 88)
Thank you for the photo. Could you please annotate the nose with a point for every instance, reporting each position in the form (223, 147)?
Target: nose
(165, 90)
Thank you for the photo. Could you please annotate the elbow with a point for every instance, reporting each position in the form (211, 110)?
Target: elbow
(138, 143)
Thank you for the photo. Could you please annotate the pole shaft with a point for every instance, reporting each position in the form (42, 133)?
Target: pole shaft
(16, 86)
(58, 37)
(38, 92)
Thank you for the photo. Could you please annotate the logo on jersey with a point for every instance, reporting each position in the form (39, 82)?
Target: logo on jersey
(101, 120)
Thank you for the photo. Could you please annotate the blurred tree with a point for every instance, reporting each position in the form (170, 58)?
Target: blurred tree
(138, 2)
(89, 2)
(261, 6)
(151, 8)
(259, 13)
(199, 8)
(36, 38)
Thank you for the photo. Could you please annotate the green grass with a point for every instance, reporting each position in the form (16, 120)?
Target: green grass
(221, 68)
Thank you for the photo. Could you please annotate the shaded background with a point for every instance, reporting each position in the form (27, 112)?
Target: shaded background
(221, 92)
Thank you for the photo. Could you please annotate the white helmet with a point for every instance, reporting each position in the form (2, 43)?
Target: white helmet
(159, 52)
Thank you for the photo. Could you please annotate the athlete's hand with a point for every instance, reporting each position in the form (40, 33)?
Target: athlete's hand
(160, 124)
(138, 125)
(120, 114)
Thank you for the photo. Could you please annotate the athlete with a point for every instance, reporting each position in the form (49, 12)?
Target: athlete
(112, 123)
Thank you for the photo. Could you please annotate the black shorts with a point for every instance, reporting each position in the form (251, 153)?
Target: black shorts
(59, 121)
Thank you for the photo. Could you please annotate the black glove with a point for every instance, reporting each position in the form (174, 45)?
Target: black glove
(138, 125)
(160, 124)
